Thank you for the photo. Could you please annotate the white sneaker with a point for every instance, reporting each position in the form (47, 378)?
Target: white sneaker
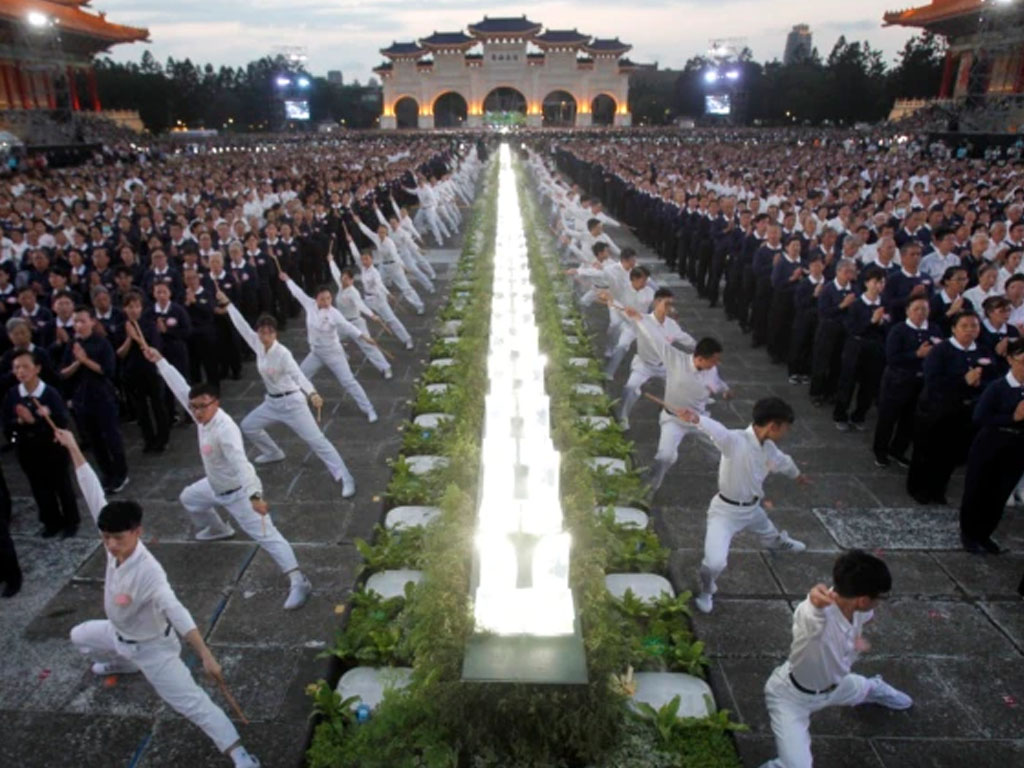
(421, 310)
(298, 594)
(786, 543)
(104, 668)
(372, 417)
(704, 602)
(408, 344)
(214, 532)
(348, 487)
(269, 458)
(244, 759)
(388, 374)
(885, 695)
(624, 422)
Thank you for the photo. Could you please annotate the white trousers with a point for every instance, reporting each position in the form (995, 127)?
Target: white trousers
(725, 520)
(419, 275)
(640, 372)
(791, 711)
(625, 338)
(394, 275)
(382, 308)
(673, 430)
(372, 353)
(337, 363)
(293, 411)
(199, 500)
(426, 218)
(160, 663)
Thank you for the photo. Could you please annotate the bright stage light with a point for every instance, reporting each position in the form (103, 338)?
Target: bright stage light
(37, 19)
(283, 81)
(303, 82)
(711, 76)
(733, 74)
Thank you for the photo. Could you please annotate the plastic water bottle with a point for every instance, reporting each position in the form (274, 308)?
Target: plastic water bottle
(362, 713)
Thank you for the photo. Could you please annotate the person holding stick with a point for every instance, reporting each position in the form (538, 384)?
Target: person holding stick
(352, 307)
(285, 403)
(142, 610)
(748, 457)
(392, 266)
(230, 482)
(690, 381)
(323, 323)
(377, 294)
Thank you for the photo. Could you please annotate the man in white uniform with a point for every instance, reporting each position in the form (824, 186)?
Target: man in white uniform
(392, 267)
(323, 324)
(352, 307)
(646, 363)
(230, 482)
(428, 210)
(377, 293)
(142, 610)
(748, 457)
(827, 639)
(285, 401)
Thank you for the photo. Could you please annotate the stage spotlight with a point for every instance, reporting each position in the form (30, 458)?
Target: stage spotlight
(283, 82)
(711, 76)
(303, 82)
(733, 74)
(37, 19)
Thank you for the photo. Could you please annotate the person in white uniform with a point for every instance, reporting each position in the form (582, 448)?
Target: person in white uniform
(408, 252)
(428, 210)
(690, 381)
(621, 335)
(646, 363)
(391, 264)
(285, 402)
(377, 293)
(748, 457)
(231, 481)
(145, 617)
(827, 639)
(352, 307)
(323, 324)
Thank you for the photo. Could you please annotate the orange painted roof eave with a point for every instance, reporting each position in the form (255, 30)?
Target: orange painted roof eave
(73, 19)
(940, 10)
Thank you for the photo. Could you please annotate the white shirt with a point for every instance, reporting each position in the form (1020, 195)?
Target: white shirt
(685, 386)
(277, 367)
(746, 461)
(220, 442)
(322, 325)
(669, 331)
(824, 644)
(136, 596)
(348, 300)
(935, 264)
(976, 295)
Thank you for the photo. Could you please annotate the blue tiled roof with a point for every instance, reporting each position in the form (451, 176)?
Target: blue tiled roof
(508, 24)
(562, 36)
(608, 45)
(447, 38)
(402, 49)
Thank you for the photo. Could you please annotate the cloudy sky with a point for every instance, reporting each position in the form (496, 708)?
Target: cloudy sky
(346, 34)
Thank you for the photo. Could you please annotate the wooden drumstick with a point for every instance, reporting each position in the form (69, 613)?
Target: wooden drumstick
(39, 407)
(231, 700)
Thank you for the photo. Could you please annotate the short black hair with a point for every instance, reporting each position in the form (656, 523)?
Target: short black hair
(347, 271)
(324, 288)
(858, 574)
(770, 410)
(961, 315)
(874, 272)
(1015, 346)
(591, 223)
(599, 247)
(37, 358)
(266, 321)
(707, 348)
(663, 293)
(637, 272)
(119, 516)
(947, 275)
(627, 253)
(204, 388)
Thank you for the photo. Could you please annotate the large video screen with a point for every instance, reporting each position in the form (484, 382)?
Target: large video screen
(296, 110)
(717, 104)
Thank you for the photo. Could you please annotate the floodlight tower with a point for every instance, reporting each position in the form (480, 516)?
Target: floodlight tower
(724, 74)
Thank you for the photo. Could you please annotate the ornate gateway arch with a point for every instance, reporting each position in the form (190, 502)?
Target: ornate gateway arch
(557, 77)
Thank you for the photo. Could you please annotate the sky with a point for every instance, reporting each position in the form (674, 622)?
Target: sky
(347, 34)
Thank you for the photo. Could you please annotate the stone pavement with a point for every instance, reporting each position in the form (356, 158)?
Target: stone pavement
(54, 712)
(952, 635)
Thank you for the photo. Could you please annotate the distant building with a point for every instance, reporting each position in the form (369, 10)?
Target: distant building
(334, 76)
(798, 44)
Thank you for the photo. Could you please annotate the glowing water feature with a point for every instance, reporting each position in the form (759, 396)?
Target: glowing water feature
(523, 553)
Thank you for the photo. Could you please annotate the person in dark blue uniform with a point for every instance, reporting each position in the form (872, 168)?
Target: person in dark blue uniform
(906, 348)
(996, 331)
(863, 353)
(835, 300)
(906, 282)
(949, 300)
(954, 374)
(766, 257)
(805, 320)
(995, 461)
(786, 276)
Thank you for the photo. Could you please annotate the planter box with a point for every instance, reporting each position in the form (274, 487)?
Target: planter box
(443, 362)
(588, 389)
(628, 517)
(645, 586)
(437, 389)
(659, 688)
(597, 422)
(401, 518)
(451, 326)
(609, 464)
(580, 362)
(369, 683)
(421, 465)
(389, 584)
(431, 420)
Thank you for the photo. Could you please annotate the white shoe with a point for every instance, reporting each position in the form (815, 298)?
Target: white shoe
(245, 760)
(269, 458)
(104, 668)
(885, 695)
(372, 417)
(624, 422)
(348, 487)
(786, 543)
(298, 594)
(388, 374)
(409, 344)
(704, 602)
(214, 533)
(421, 310)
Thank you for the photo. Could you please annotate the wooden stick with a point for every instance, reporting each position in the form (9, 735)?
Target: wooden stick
(44, 415)
(277, 263)
(660, 402)
(231, 700)
(141, 339)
